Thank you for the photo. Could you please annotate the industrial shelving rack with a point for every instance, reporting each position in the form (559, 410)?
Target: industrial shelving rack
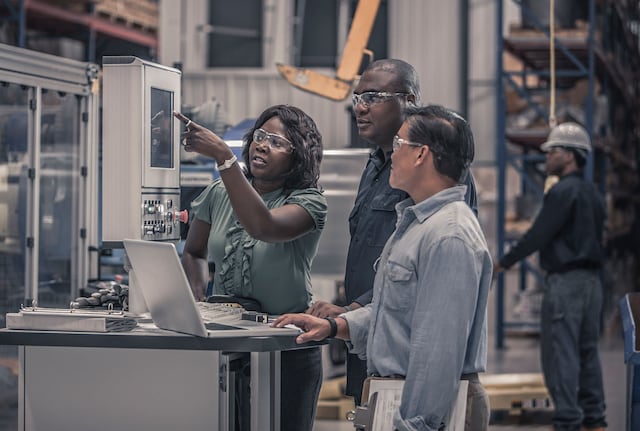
(600, 59)
(95, 23)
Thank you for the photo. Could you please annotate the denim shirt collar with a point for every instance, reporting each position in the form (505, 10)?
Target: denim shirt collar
(425, 209)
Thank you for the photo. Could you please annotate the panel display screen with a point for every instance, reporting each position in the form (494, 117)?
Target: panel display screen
(161, 128)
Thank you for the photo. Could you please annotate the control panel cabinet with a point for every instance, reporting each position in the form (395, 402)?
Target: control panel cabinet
(140, 152)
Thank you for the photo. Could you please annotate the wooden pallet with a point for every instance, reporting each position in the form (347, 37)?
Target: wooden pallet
(141, 14)
(333, 389)
(510, 392)
(332, 402)
(581, 30)
(335, 409)
(516, 391)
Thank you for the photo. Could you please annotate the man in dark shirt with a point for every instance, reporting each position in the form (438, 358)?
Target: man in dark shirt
(568, 232)
(385, 89)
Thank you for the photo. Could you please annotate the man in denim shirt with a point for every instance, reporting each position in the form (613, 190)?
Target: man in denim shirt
(386, 87)
(427, 321)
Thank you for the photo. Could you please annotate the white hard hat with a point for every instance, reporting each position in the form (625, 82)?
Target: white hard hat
(570, 135)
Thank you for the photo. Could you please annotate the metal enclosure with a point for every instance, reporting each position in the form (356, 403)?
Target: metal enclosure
(128, 379)
(48, 176)
(141, 151)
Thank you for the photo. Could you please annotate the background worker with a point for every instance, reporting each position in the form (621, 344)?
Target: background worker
(385, 88)
(261, 228)
(568, 232)
(427, 321)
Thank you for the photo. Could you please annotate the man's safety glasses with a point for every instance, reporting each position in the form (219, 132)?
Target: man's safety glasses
(370, 98)
(397, 141)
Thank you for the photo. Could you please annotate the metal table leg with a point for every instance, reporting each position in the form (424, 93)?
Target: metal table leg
(265, 391)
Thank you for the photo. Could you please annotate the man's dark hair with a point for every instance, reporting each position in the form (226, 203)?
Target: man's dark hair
(447, 135)
(407, 77)
(303, 133)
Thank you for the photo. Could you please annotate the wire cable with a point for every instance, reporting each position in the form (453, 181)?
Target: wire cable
(552, 64)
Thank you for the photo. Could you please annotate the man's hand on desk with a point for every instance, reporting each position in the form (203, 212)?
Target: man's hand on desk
(314, 328)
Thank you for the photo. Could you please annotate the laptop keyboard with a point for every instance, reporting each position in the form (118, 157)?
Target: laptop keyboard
(219, 313)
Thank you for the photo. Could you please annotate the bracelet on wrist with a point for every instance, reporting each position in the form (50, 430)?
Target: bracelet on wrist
(334, 327)
(347, 308)
(227, 163)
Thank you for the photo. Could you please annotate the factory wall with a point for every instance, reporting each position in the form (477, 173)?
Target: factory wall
(425, 33)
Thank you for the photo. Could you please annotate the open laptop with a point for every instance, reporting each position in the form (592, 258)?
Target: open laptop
(165, 288)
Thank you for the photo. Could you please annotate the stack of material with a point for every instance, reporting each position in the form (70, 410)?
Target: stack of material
(333, 403)
(517, 391)
(141, 14)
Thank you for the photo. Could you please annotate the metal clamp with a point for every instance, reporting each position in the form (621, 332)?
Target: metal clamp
(362, 416)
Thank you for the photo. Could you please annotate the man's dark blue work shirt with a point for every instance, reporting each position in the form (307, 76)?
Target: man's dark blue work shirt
(372, 221)
(568, 229)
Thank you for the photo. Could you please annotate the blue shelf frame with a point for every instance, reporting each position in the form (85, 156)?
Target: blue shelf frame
(505, 160)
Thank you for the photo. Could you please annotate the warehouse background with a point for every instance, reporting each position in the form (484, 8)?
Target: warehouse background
(488, 59)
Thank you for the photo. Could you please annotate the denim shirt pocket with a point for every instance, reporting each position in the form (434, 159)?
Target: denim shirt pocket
(400, 286)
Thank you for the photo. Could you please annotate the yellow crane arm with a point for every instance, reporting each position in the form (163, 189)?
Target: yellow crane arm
(338, 87)
(357, 39)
